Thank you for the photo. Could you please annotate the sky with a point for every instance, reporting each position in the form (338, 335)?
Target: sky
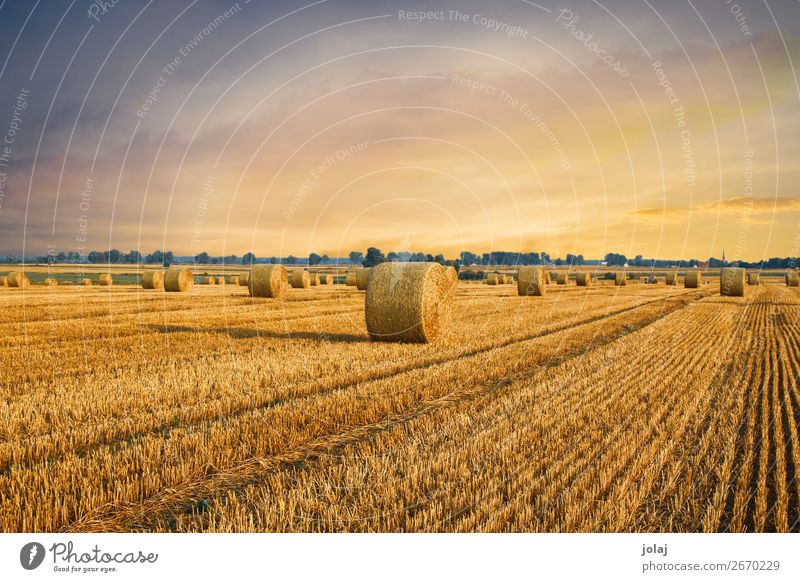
(669, 129)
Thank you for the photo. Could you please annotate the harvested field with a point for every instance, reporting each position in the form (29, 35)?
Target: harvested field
(638, 408)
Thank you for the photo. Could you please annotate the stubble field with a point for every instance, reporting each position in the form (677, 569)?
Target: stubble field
(638, 408)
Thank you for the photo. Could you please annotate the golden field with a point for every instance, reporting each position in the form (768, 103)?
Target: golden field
(638, 408)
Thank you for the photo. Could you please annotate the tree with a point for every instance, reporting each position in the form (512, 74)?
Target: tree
(615, 259)
(291, 260)
(325, 259)
(374, 257)
(73, 257)
(248, 259)
(95, 257)
(61, 257)
(133, 257)
(439, 259)
(468, 258)
(202, 258)
(314, 259)
(169, 258)
(356, 257)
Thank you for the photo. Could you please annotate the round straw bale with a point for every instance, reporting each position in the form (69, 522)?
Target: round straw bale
(452, 277)
(3, 281)
(50, 282)
(692, 279)
(583, 279)
(325, 279)
(16, 278)
(672, 279)
(362, 278)
(531, 281)
(620, 279)
(793, 279)
(210, 281)
(233, 279)
(731, 282)
(267, 281)
(178, 280)
(105, 279)
(220, 280)
(244, 278)
(752, 278)
(548, 277)
(153, 280)
(313, 279)
(561, 278)
(86, 282)
(300, 279)
(408, 302)
(350, 280)
(492, 279)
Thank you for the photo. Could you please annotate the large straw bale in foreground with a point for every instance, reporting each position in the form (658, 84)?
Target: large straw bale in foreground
(583, 279)
(178, 280)
(561, 278)
(793, 279)
(408, 302)
(620, 279)
(731, 282)
(363, 278)
(267, 281)
(300, 279)
(672, 279)
(752, 278)
(153, 280)
(105, 280)
(350, 280)
(531, 281)
(692, 279)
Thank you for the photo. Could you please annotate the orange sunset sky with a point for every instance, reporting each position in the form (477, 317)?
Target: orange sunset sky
(667, 129)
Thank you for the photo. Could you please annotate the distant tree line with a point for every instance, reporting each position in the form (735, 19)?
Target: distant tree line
(375, 256)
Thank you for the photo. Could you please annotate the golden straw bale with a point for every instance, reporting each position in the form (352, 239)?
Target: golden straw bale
(210, 281)
(153, 280)
(672, 279)
(86, 282)
(267, 281)
(752, 278)
(731, 282)
(220, 280)
(493, 279)
(692, 279)
(178, 280)
(300, 279)
(793, 279)
(243, 279)
(562, 278)
(233, 279)
(362, 278)
(408, 302)
(326, 279)
(105, 279)
(50, 282)
(531, 281)
(548, 277)
(3, 281)
(583, 279)
(620, 279)
(350, 280)
(314, 279)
